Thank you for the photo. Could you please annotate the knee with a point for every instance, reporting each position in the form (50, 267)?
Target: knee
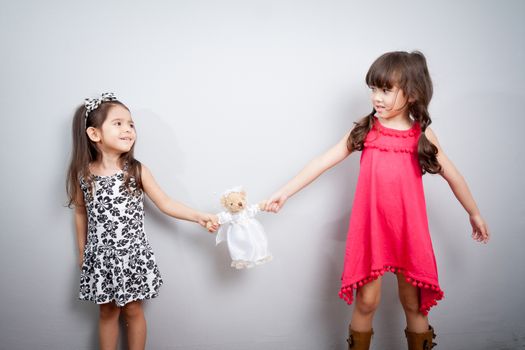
(109, 311)
(410, 304)
(133, 310)
(367, 303)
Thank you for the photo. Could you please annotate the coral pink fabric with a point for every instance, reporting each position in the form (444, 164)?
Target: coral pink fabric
(388, 227)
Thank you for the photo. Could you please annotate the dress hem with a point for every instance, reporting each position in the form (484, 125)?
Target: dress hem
(245, 264)
(141, 297)
(346, 291)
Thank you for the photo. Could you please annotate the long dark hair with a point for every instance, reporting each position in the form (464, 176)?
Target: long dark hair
(409, 72)
(85, 151)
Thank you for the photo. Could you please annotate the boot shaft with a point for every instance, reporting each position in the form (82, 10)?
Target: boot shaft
(421, 341)
(359, 340)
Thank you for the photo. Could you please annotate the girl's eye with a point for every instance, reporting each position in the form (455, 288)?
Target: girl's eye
(118, 123)
(132, 126)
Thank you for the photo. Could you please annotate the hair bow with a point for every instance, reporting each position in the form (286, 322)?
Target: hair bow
(92, 103)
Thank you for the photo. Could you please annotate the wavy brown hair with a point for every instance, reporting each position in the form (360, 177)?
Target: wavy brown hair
(85, 151)
(409, 72)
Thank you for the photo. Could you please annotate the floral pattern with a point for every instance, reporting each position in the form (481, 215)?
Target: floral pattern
(119, 265)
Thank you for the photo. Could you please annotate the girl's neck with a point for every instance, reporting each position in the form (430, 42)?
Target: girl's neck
(108, 164)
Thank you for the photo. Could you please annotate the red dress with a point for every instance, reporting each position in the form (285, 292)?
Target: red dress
(388, 227)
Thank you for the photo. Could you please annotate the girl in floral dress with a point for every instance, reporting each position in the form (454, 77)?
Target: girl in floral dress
(106, 186)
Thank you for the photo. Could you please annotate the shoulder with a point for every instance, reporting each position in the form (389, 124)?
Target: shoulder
(146, 176)
(431, 135)
(144, 170)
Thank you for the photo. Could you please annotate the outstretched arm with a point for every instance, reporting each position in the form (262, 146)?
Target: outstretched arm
(310, 172)
(171, 207)
(457, 183)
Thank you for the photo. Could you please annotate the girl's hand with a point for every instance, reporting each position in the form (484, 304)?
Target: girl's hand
(480, 231)
(208, 221)
(275, 203)
(212, 227)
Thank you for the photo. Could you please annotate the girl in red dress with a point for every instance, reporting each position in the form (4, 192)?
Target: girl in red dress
(388, 228)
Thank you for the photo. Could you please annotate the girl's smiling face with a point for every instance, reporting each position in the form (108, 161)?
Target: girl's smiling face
(389, 102)
(117, 133)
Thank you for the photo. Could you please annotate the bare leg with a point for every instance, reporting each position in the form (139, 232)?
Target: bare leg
(108, 326)
(409, 297)
(136, 325)
(367, 301)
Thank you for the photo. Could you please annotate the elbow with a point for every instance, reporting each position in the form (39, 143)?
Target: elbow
(164, 204)
(165, 209)
(454, 180)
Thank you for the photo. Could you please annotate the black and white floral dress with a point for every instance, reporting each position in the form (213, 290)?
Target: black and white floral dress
(119, 264)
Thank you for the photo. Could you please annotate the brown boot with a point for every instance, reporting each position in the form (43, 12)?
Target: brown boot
(359, 340)
(421, 341)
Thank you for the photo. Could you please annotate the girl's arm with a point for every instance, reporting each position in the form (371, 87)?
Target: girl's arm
(171, 207)
(457, 183)
(310, 172)
(80, 227)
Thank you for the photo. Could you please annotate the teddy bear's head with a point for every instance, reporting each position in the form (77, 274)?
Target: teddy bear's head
(234, 200)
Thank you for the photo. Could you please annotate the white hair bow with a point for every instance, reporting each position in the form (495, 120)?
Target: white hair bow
(92, 103)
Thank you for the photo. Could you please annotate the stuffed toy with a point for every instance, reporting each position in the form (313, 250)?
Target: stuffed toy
(244, 235)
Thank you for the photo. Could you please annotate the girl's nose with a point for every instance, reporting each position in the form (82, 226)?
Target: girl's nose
(377, 97)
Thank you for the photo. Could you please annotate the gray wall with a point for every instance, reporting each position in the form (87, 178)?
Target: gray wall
(246, 92)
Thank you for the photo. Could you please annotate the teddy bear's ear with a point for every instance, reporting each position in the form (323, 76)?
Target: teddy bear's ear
(243, 192)
(223, 201)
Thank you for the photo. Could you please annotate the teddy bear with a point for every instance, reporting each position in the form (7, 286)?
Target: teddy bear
(244, 235)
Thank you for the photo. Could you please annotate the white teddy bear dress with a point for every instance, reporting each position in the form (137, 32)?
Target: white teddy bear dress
(245, 237)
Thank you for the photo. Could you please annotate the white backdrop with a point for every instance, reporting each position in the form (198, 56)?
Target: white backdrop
(246, 92)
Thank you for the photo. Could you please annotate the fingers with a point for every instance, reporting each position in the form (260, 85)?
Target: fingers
(213, 227)
(275, 202)
(271, 205)
(476, 236)
(484, 233)
(274, 205)
(480, 231)
(480, 234)
(211, 223)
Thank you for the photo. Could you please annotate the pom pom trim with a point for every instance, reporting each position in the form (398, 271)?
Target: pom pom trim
(385, 148)
(347, 291)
